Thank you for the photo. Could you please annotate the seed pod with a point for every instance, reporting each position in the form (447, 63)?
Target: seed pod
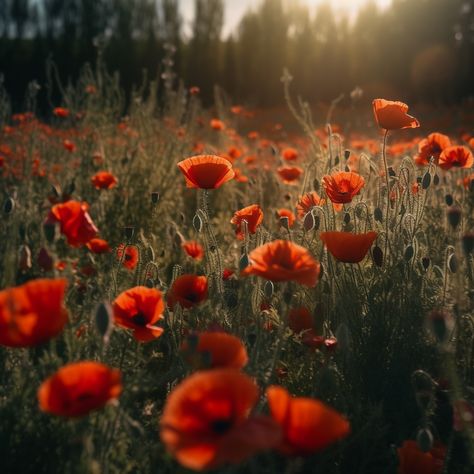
(268, 289)
(104, 320)
(244, 262)
(468, 243)
(449, 199)
(309, 222)
(197, 223)
(409, 252)
(425, 261)
(377, 256)
(426, 181)
(424, 440)
(453, 263)
(454, 217)
(378, 214)
(9, 205)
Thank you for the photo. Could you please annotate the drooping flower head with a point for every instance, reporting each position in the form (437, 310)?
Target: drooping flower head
(392, 115)
(341, 187)
(253, 215)
(348, 247)
(206, 171)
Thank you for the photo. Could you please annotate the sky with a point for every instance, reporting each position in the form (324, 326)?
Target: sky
(235, 9)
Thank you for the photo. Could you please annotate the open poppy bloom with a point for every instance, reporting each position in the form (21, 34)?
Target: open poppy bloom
(128, 255)
(75, 222)
(194, 249)
(32, 313)
(432, 146)
(217, 125)
(348, 247)
(456, 157)
(187, 291)
(98, 246)
(282, 260)
(307, 202)
(104, 180)
(289, 154)
(289, 174)
(61, 112)
(253, 215)
(206, 171)
(212, 349)
(308, 425)
(283, 212)
(139, 309)
(412, 460)
(78, 388)
(392, 115)
(341, 187)
(206, 422)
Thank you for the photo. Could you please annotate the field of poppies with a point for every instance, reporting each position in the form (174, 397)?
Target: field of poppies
(188, 289)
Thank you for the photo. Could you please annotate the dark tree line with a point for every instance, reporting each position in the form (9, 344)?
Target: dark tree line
(418, 50)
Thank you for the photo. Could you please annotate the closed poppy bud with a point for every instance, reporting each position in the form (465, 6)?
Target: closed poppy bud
(468, 243)
(440, 323)
(454, 217)
(45, 261)
(425, 440)
(449, 199)
(25, 258)
(128, 232)
(425, 261)
(155, 197)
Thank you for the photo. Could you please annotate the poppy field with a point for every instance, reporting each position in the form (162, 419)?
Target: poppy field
(186, 288)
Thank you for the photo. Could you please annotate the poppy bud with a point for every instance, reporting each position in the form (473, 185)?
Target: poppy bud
(440, 323)
(378, 215)
(309, 222)
(409, 252)
(103, 320)
(424, 439)
(347, 154)
(468, 243)
(336, 160)
(449, 199)
(285, 222)
(155, 197)
(49, 231)
(44, 260)
(244, 262)
(436, 180)
(426, 181)
(425, 261)
(197, 223)
(268, 289)
(129, 231)
(150, 283)
(391, 172)
(454, 217)
(25, 258)
(377, 256)
(316, 185)
(9, 205)
(453, 263)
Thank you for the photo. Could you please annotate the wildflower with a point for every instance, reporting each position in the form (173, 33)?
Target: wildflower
(341, 187)
(187, 291)
(98, 246)
(61, 112)
(214, 349)
(282, 260)
(307, 202)
(128, 255)
(194, 249)
(139, 309)
(290, 154)
(288, 214)
(79, 388)
(308, 425)
(432, 146)
(75, 222)
(289, 174)
(252, 215)
(300, 319)
(206, 171)
(456, 157)
(206, 422)
(412, 460)
(32, 313)
(69, 146)
(227, 273)
(392, 115)
(217, 125)
(104, 180)
(347, 247)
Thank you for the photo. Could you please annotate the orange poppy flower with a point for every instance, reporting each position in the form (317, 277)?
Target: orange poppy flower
(253, 215)
(308, 425)
(307, 202)
(194, 249)
(456, 157)
(288, 214)
(79, 388)
(392, 115)
(139, 309)
(341, 187)
(69, 146)
(32, 313)
(412, 460)
(206, 423)
(432, 146)
(289, 174)
(130, 259)
(75, 222)
(61, 112)
(282, 260)
(289, 154)
(347, 247)
(300, 319)
(98, 246)
(104, 180)
(187, 291)
(215, 350)
(206, 171)
(217, 124)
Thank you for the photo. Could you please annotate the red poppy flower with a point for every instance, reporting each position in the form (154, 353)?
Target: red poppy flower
(288, 214)
(104, 180)
(307, 202)
(432, 146)
(187, 291)
(300, 319)
(206, 423)
(412, 460)
(194, 249)
(61, 112)
(282, 260)
(308, 425)
(341, 187)
(215, 350)
(75, 222)
(392, 115)
(130, 259)
(217, 125)
(253, 215)
(139, 309)
(69, 145)
(78, 388)
(227, 273)
(98, 246)
(32, 313)
(456, 157)
(206, 171)
(289, 174)
(289, 154)
(347, 247)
